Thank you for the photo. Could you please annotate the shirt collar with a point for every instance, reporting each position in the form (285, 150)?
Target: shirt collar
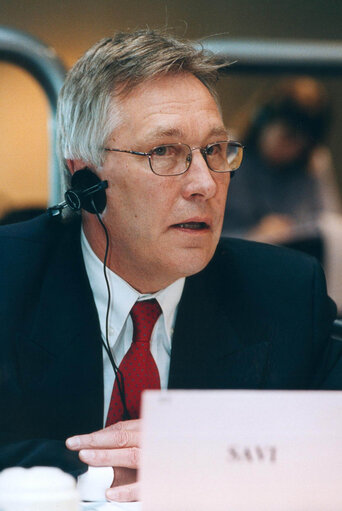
(124, 295)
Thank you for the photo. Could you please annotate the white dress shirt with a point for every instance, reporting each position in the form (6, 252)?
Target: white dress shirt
(120, 325)
(120, 333)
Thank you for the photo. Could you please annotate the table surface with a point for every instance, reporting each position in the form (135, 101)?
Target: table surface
(110, 506)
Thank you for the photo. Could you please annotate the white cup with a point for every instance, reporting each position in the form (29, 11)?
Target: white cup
(37, 489)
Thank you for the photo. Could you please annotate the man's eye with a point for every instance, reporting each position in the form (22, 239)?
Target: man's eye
(213, 149)
(160, 151)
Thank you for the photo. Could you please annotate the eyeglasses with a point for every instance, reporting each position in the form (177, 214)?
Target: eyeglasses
(175, 159)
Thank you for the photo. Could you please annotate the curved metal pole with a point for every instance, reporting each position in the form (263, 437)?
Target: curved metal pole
(278, 56)
(41, 62)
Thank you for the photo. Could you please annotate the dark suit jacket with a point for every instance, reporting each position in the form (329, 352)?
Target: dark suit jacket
(257, 317)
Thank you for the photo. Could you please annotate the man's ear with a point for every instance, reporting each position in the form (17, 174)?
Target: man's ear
(75, 165)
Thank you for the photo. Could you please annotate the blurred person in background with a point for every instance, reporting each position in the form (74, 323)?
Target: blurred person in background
(286, 181)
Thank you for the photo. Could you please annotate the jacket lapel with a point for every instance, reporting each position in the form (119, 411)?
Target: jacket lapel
(207, 350)
(60, 352)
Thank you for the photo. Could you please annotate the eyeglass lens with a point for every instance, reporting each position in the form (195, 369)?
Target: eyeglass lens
(173, 159)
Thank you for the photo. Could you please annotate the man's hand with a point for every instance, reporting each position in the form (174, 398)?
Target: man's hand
(116, 446)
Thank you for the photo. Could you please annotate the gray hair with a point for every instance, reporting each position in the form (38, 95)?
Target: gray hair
(89, 107)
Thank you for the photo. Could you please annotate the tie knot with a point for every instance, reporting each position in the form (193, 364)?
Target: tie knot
(144, 315)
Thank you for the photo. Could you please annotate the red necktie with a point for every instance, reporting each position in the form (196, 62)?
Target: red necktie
(138, 368)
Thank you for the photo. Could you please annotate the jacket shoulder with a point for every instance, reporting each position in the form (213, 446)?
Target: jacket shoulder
(264, 261)
(26, 247)
(34, 230)
(42, 230)
(265, 278)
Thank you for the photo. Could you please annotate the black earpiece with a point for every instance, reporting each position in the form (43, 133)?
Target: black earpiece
(87, 192)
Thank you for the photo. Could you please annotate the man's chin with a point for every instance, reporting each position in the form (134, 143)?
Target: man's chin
(195, 260)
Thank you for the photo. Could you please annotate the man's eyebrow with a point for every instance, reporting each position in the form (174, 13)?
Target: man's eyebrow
(161, 132)
(220, 131)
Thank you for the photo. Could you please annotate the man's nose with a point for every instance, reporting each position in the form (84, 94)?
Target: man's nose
(199, 180)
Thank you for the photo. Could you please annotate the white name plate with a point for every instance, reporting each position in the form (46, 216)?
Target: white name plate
(242, 451)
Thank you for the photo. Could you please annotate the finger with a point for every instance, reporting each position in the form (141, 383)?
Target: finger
(123, 476)
(111, 437)
(127, 457)
(131, 425)
(126, 493)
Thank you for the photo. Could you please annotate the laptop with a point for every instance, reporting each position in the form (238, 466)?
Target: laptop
(234, 450)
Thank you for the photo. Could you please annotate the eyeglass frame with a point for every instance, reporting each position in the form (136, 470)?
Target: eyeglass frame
(203, 151)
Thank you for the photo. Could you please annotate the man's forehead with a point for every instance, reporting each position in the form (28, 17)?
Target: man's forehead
(170, 88)
(170, 107)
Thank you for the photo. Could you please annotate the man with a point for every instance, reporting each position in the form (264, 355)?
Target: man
(141, 112)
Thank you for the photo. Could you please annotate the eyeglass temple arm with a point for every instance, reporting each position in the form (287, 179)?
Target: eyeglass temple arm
(126, 151)
(236, 144)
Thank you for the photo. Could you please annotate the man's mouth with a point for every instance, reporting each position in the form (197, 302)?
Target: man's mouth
(195, 226)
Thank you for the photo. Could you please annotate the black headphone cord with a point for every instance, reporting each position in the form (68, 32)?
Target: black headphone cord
(118, 374)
